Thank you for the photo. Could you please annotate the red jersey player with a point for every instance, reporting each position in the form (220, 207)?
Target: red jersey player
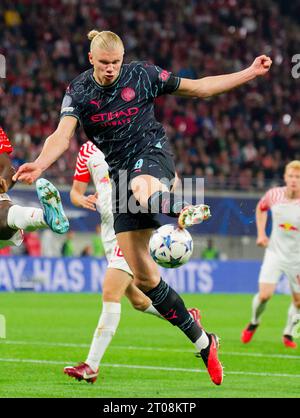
(14, 219)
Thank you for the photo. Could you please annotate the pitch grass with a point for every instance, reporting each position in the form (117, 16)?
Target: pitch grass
(39, 324)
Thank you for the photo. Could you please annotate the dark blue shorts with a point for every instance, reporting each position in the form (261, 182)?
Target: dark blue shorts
(128, 214)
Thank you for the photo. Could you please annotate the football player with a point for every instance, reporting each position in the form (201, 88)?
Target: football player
(91, 165)
(15, 219)
(282, 253)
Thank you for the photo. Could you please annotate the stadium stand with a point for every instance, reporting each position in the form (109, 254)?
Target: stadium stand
(241, 140)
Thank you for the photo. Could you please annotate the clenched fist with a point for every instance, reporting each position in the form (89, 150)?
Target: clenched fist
(262, 241)
(261, 65)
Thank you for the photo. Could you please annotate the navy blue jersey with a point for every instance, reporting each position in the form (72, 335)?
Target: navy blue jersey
(119, 118)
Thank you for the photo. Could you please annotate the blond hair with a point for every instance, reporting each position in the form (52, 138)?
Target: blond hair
(293, 164)
(105, 40)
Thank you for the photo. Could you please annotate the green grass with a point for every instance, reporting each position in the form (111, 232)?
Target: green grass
(39, 324)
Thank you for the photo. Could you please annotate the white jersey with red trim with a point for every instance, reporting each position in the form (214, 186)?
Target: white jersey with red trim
(91, 164)
(285, 236)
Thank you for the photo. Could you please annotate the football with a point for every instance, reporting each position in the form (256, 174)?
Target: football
(171, 246)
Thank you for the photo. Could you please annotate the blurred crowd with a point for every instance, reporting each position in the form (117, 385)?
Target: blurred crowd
(239, 140)
(47, 244)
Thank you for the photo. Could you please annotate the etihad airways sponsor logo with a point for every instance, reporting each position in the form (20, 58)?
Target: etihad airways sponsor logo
(116, 116)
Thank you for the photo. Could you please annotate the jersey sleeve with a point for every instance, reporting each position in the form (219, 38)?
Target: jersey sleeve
(162, 81)
(70, 105)
(81, 171)
(265, 202)
(5, 145)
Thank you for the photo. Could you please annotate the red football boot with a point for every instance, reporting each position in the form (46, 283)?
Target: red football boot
(82, 372)
(248, 333)
(289, 342)
(210, 357)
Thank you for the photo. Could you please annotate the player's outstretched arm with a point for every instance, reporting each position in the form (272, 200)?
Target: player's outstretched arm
(6, 173)
(261, 223)
(55, 145)
(210, 86)
(78, 198)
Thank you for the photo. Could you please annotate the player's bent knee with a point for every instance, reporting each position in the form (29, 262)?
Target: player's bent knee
(145, 284)
(145, 278)
(266, 291)
(110, 296)
(265, 297)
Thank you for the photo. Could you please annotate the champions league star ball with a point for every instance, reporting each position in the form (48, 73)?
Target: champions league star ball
(171, 246)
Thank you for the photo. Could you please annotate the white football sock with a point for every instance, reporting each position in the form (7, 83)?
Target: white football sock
(27, 218)
(292, 320)
(107, 326)
(202, 341)
(152, 311)
(257, 309)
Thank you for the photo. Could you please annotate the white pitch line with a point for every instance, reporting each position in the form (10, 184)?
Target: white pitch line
(161, 349)
(45, 343)
(243, 354)
(154, 368)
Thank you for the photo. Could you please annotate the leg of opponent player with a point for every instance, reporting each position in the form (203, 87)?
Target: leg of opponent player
(268, 279)
(269, 276)
(293, 317)
(259, 303)
(15, 218)
(117, 282)
(114, 287)
(151, 193)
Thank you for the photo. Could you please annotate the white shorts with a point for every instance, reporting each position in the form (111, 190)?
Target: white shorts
(109, 247)
(15, 241)
(117, 261)
(272, 269)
